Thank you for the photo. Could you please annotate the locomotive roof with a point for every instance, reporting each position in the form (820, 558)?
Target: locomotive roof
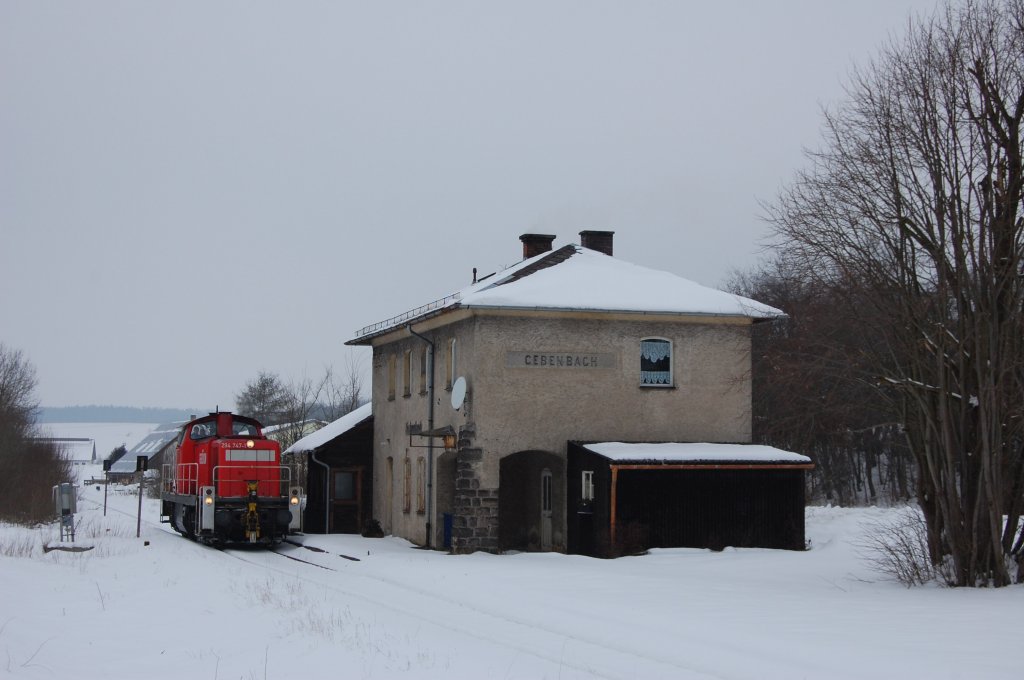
(234, 416)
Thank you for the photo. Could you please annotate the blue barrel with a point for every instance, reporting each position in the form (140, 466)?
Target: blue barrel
(447, 519)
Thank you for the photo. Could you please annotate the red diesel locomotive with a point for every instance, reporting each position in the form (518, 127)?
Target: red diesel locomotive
(225, 484)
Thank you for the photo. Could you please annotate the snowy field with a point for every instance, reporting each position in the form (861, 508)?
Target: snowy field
(379, 608)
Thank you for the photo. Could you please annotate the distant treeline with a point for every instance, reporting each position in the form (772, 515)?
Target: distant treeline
(113, 414)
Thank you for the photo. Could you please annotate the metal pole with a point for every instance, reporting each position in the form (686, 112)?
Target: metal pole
(141, 463)
(138, 523)
(106, 484)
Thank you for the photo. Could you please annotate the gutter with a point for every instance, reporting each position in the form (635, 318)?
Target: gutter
(430, 440)
(327, 490)
(368, 337)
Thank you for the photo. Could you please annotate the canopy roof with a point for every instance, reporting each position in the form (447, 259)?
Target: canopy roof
(675, 452)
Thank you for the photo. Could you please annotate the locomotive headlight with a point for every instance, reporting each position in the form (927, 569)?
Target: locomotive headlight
(249, 444)
(208, 500)
(295, 500)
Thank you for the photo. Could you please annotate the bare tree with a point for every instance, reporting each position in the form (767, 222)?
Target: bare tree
(914, 206)
(343, 392)
(303, 398)
(29, 467)
(17, 387)
(808, 398)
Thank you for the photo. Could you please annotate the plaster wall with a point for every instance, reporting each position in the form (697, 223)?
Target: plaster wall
(513, 406)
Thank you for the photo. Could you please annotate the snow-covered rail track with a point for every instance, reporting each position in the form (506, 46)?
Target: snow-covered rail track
(568, 650)
(574, 651)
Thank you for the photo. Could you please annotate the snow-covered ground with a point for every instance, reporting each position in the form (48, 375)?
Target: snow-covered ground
(380, 608)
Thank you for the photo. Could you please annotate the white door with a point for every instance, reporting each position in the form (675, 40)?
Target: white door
(545, 509)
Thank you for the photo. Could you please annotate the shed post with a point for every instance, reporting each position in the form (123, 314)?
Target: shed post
(614, 504)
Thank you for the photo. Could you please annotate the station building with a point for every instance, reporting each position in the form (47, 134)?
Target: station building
(520, 412)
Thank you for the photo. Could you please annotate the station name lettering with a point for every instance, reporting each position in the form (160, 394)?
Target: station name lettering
(561, 360)
(582, 360)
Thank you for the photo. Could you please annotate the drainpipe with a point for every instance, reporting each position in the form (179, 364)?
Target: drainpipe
(327, 491)
(430, 440)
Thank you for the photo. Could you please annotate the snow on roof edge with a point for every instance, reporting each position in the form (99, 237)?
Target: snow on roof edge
(685, 452)
(332, 430)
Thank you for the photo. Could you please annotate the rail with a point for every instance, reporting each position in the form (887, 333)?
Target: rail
(184, 481)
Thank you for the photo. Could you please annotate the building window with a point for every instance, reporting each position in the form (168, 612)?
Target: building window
(588, 485)
(407, 503)
(545, 492)
(391, 377)
(423, 370)
(407, 373)
(344, 485)
(656, 362)
(421, 485)
(450, 374)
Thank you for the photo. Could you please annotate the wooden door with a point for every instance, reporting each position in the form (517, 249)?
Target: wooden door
(346, 501)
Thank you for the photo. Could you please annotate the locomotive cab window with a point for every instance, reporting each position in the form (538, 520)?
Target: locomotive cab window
(203, 430)
(243, 429)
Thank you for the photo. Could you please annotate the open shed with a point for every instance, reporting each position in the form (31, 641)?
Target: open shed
(625, 498)
(339, 482)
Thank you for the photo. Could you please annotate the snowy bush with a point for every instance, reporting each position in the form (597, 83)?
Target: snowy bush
(898, 547)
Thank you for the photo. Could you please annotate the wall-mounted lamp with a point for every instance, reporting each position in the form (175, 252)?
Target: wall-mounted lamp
(447, 434)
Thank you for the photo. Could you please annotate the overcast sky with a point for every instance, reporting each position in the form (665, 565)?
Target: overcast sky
(192, 192)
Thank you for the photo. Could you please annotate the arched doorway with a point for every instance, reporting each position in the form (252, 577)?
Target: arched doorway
(444, 492)
(531, 502)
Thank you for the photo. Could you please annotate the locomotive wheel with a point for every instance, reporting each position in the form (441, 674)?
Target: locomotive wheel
(177, 520)
(189, 521)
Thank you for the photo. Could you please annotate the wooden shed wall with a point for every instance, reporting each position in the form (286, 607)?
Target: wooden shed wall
(354, 449)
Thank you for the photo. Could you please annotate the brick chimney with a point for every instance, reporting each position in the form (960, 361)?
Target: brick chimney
(601, 241)
(535, 244)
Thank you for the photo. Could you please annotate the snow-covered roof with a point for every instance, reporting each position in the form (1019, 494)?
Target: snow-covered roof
(77, 450)
(577, 278)
(298, 425)
(150, 445)
(335, 429)
(672, 452)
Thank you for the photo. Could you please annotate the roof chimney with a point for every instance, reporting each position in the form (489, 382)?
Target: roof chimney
(601, 241)
(535, 244)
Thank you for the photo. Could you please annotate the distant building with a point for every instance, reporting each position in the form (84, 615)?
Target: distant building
(286, 433)
(153, 446)
(569, 345)
(76, 450)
